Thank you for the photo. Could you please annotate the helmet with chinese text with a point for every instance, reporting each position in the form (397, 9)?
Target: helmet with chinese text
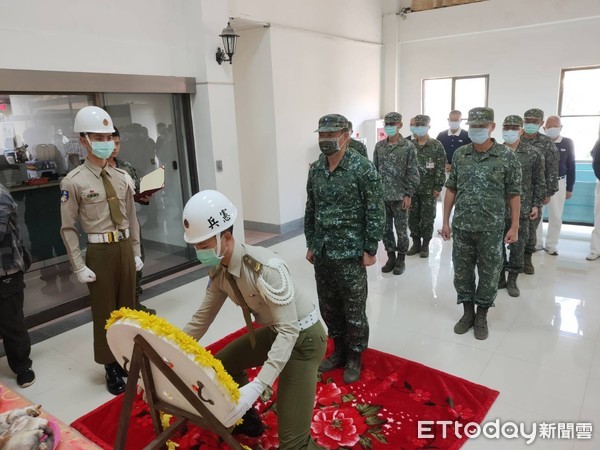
(207, 214)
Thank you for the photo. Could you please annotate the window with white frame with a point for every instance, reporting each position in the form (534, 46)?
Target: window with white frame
(579, 108)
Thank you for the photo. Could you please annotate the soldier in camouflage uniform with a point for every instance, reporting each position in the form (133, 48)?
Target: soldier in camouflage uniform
(396, 161)
(121, 164)
(431, 158)
(343, 224)
(534, 119)
(356, 145)
(533, 188)
(483, 175)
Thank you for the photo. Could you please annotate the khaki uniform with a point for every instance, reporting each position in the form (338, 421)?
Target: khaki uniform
(83, 200)
(282, 348)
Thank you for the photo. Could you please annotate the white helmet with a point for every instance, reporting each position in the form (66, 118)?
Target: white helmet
(92, 119)
(207, 214)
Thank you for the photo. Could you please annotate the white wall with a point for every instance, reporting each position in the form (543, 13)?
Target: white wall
(317, 58)
(522, 45)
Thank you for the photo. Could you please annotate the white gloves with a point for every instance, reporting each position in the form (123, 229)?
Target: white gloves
(139, 264)
(248, 395)
(85, 275)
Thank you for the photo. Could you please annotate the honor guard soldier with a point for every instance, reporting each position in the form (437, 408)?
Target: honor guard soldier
(290, 344)
(100, 197)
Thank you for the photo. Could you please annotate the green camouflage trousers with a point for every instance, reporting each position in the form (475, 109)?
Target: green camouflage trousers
(532, 239)
(395, 217)
(481, 250)
(515, 261)
(421, 216)
(342, 291)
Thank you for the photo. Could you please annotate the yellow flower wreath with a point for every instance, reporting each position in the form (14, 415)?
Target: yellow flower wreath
(188, 345)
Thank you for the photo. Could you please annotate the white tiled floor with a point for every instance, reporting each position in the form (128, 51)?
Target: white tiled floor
(543, 353)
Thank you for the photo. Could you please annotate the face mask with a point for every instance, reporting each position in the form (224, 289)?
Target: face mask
(329, 146)
(531, 128)
(479, 135)
(390, 130)
(420, 131)
(209, 256)
(510, 136)
(454, 125)
(553, 133)
(102, 150)
(412, 130)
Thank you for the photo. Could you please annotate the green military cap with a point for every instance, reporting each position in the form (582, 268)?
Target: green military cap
(422, 119)
(393, 117)
(513, 120)
(534, 113)
(332, 122)
(480, 116)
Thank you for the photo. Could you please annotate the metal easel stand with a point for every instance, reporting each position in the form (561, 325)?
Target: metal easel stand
(143, 356)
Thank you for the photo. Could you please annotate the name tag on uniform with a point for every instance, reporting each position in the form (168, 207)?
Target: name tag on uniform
(92, 195)
(563, 149)
(429, 165)
(460, 140)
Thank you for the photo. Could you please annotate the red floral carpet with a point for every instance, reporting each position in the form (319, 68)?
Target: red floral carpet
(379, 412)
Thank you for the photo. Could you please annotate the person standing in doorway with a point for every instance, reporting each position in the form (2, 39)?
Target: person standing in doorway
(484, 176)
(566, 182)
(100, 198)
(595, 242)
(396, 161)
(356, 145)
(343, 224)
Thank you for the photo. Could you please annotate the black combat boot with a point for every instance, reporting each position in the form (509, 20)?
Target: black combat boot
(114, 382)
(424, 252)
(416, 246)
(337, 358)
(400, 264)
(353, 366)
(511, 284)
(467, 320)
(391, 262)
(481, 327)
(252, 425)
(528, 266)
(502, 279)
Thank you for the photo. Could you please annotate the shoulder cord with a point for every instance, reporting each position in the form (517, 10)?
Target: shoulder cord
(283, 295)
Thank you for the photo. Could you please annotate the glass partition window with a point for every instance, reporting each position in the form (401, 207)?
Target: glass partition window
(579, 108)
(442, 95)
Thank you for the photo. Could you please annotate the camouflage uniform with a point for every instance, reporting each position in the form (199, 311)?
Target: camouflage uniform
(127, 167)
(397, 166)
(549, 151)
(344, 218)
(533, 187)
(431, 158)
(358, 147)
(482, 182)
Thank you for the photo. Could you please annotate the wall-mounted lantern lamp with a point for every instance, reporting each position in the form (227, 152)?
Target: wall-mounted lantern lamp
(229, 40)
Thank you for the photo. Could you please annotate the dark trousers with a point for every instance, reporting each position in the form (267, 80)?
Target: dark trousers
(17, 344)
(114, 288)
(297, 381)
(395, 217)
(479, 250)
(421, 216)
(532, 240)
(342, 290)
(516, 261)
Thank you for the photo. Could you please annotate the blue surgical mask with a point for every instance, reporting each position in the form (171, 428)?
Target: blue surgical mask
(420, 131)
(102, 149)
(412, 129)
(531, 128)
(510, 136)
(479, 135)
(210, 256)
(553, 132)
(390, 130)
(454, 125)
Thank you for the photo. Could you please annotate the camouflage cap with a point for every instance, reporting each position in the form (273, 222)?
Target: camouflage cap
(422, 119)
(513, 120)
(534, 113)
(332, 122)
(393, 117)
(480, 116)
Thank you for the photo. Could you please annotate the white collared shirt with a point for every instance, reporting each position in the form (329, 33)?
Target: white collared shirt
(456, 133)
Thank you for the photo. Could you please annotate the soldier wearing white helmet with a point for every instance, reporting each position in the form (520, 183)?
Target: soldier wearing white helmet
(100, 198)
(292, 341)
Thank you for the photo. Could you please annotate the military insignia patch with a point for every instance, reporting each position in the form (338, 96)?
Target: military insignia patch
(64, 196)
